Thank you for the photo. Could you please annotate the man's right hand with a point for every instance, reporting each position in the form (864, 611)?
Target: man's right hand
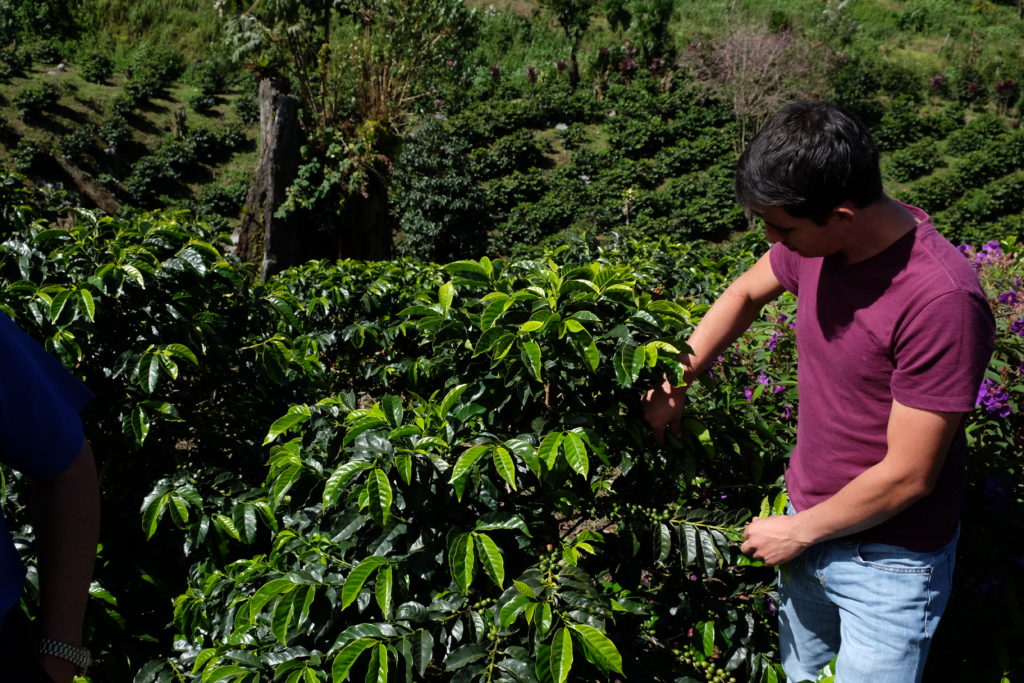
(663, 408)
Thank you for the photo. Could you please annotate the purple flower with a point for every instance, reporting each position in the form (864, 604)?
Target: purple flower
(994, 397)
(786, 414)
(966, 249)
(782, 318)
(774, 341)
(763, 378)
(1009, 298)
(990, 253)
(778, 389)
(748, 393)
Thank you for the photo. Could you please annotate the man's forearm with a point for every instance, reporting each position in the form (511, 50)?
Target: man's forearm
(729, 317)
(873, 497)
(67, 531)
(918, 443)
(724, 322)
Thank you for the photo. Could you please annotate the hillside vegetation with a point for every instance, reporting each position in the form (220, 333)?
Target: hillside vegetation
(488, 144)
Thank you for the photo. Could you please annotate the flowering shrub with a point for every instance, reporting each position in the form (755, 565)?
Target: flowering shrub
(983, 618)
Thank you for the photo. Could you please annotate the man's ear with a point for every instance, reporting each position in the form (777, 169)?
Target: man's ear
(845, 213)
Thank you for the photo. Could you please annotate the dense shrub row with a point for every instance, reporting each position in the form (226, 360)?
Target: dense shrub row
(441, 472)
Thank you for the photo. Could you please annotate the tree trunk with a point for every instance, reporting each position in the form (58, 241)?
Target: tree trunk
(272, 243)
(365, 230)
(89, 188)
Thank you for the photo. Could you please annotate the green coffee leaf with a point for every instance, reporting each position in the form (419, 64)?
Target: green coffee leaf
(451, 398)
(267, 592)
(393, 410)
(378, 669)
(663, 543)
(490, 558)
(378, 488)
(548, 450)
(511, 609)
(576, 453)
(295, 416)
(340, 478)
(284, 610)
(445, 296)
(356, 578)
(560, 657)
(707, 631)
(600, 650)
(504, 465)
(531, 358)
(460, 560)
(466, 462)
(383, 589)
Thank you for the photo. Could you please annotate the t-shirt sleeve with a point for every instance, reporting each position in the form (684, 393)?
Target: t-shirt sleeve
(40, 428)
(942, 352)
(785, 267)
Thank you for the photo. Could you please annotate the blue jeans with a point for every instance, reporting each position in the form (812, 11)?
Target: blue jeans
(876, 606)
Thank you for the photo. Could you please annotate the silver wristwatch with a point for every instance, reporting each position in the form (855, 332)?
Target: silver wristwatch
(79, 656)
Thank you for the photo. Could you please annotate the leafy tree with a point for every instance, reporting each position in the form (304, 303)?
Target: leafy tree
(360, 69)
(649, 27)
(23, 20)
(439, 205)
(574, 18)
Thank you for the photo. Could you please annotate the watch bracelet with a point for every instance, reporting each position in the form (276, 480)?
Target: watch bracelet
(79, 656)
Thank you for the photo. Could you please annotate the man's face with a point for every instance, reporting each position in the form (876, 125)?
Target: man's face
(802, 235)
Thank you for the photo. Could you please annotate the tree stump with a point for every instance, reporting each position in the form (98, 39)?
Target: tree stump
(272, 243)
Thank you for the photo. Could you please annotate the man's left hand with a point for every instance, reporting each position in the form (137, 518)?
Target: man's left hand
(773, 540)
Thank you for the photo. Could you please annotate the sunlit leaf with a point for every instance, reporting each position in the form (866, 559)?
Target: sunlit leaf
(576, 453)
(466, 462)
(531, 358)
(445, 295)
(295, 416)
(600, 649)
(383, 588)
(461, 560)
(490, 558)
(560, 657)
(548, 450)
(504, 465)
(268, 592)
(356, 578)
(378, 488)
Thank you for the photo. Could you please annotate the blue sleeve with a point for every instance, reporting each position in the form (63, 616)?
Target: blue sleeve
(40, 428)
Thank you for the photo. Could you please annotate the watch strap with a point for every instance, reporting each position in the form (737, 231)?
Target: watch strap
(79, 656)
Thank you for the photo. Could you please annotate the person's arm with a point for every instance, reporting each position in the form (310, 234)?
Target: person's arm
(918, 441)
(725, 321)
(66, 511)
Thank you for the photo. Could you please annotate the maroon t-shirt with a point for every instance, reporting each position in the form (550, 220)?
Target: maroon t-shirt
(911, 324)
